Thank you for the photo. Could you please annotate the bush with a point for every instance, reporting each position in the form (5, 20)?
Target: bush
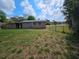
(4, 26)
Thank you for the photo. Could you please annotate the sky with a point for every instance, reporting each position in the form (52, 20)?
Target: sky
(41, 9)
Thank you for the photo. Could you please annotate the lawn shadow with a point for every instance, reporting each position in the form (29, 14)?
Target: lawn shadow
(73, 46)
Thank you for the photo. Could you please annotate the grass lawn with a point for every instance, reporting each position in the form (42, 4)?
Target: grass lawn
(34, 43)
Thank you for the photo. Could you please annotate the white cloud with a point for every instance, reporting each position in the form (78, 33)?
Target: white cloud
(7, 6)
(28, 9)
(51, 8)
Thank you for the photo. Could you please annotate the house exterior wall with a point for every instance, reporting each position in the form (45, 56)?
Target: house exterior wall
(11, 26)
(28, 25)
(39, 25)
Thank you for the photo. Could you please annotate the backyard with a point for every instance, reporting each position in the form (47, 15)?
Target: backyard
(35, 43)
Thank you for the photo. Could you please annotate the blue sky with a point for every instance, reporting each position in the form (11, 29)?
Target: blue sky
(19, 9)
(43, 9)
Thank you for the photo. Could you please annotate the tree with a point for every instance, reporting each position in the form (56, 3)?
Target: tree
(30, 18)
(71, 11)
(2, 16)
(48, 22)
(17, 19)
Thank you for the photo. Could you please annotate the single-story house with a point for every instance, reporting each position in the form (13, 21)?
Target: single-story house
(27, 25)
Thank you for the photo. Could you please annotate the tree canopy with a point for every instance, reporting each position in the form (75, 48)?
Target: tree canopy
(71, 11)
(2, 16)
(30, 18)
(17, 19)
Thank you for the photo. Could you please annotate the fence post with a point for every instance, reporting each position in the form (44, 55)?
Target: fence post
(63, 29)
(55, 24)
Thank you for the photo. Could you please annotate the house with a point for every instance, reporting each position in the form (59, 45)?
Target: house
(27, 25)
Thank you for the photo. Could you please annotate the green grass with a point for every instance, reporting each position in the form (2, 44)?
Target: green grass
(34, 43)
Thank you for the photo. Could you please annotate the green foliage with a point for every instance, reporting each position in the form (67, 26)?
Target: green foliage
(31, 18)
(2, 16)
(17, 19)
(4, 26)
(71, 11)
(73, 42)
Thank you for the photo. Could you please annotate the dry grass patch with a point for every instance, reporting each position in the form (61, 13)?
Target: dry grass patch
(33, 44)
